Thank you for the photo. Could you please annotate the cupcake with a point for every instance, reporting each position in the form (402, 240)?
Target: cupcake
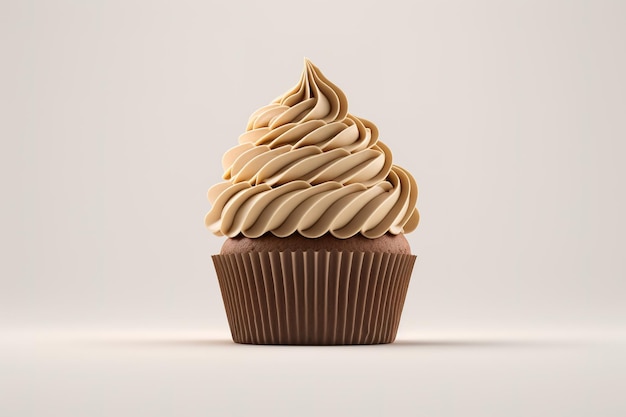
(314, 213)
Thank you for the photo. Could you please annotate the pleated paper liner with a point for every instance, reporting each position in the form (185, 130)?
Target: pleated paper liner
(314, 297)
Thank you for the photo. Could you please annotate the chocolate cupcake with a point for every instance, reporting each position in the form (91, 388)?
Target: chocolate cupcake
(314, 212)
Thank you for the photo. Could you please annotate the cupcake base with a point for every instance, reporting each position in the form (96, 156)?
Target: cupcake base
(313, 297)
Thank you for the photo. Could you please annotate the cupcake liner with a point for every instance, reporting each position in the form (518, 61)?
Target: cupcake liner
(313, 297)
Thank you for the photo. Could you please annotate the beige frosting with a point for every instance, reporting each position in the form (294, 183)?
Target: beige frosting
(305, 165)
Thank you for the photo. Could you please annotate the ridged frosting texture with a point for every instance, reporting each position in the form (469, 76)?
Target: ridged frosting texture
(305, 165)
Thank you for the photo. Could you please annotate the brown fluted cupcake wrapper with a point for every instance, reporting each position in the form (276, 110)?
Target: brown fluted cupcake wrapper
(314, 298)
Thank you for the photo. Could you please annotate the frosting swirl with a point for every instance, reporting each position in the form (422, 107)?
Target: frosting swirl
(305, 165)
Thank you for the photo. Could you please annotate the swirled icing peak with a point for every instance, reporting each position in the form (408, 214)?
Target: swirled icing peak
(305, 165)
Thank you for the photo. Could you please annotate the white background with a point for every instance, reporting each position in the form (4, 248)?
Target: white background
(113, 119)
